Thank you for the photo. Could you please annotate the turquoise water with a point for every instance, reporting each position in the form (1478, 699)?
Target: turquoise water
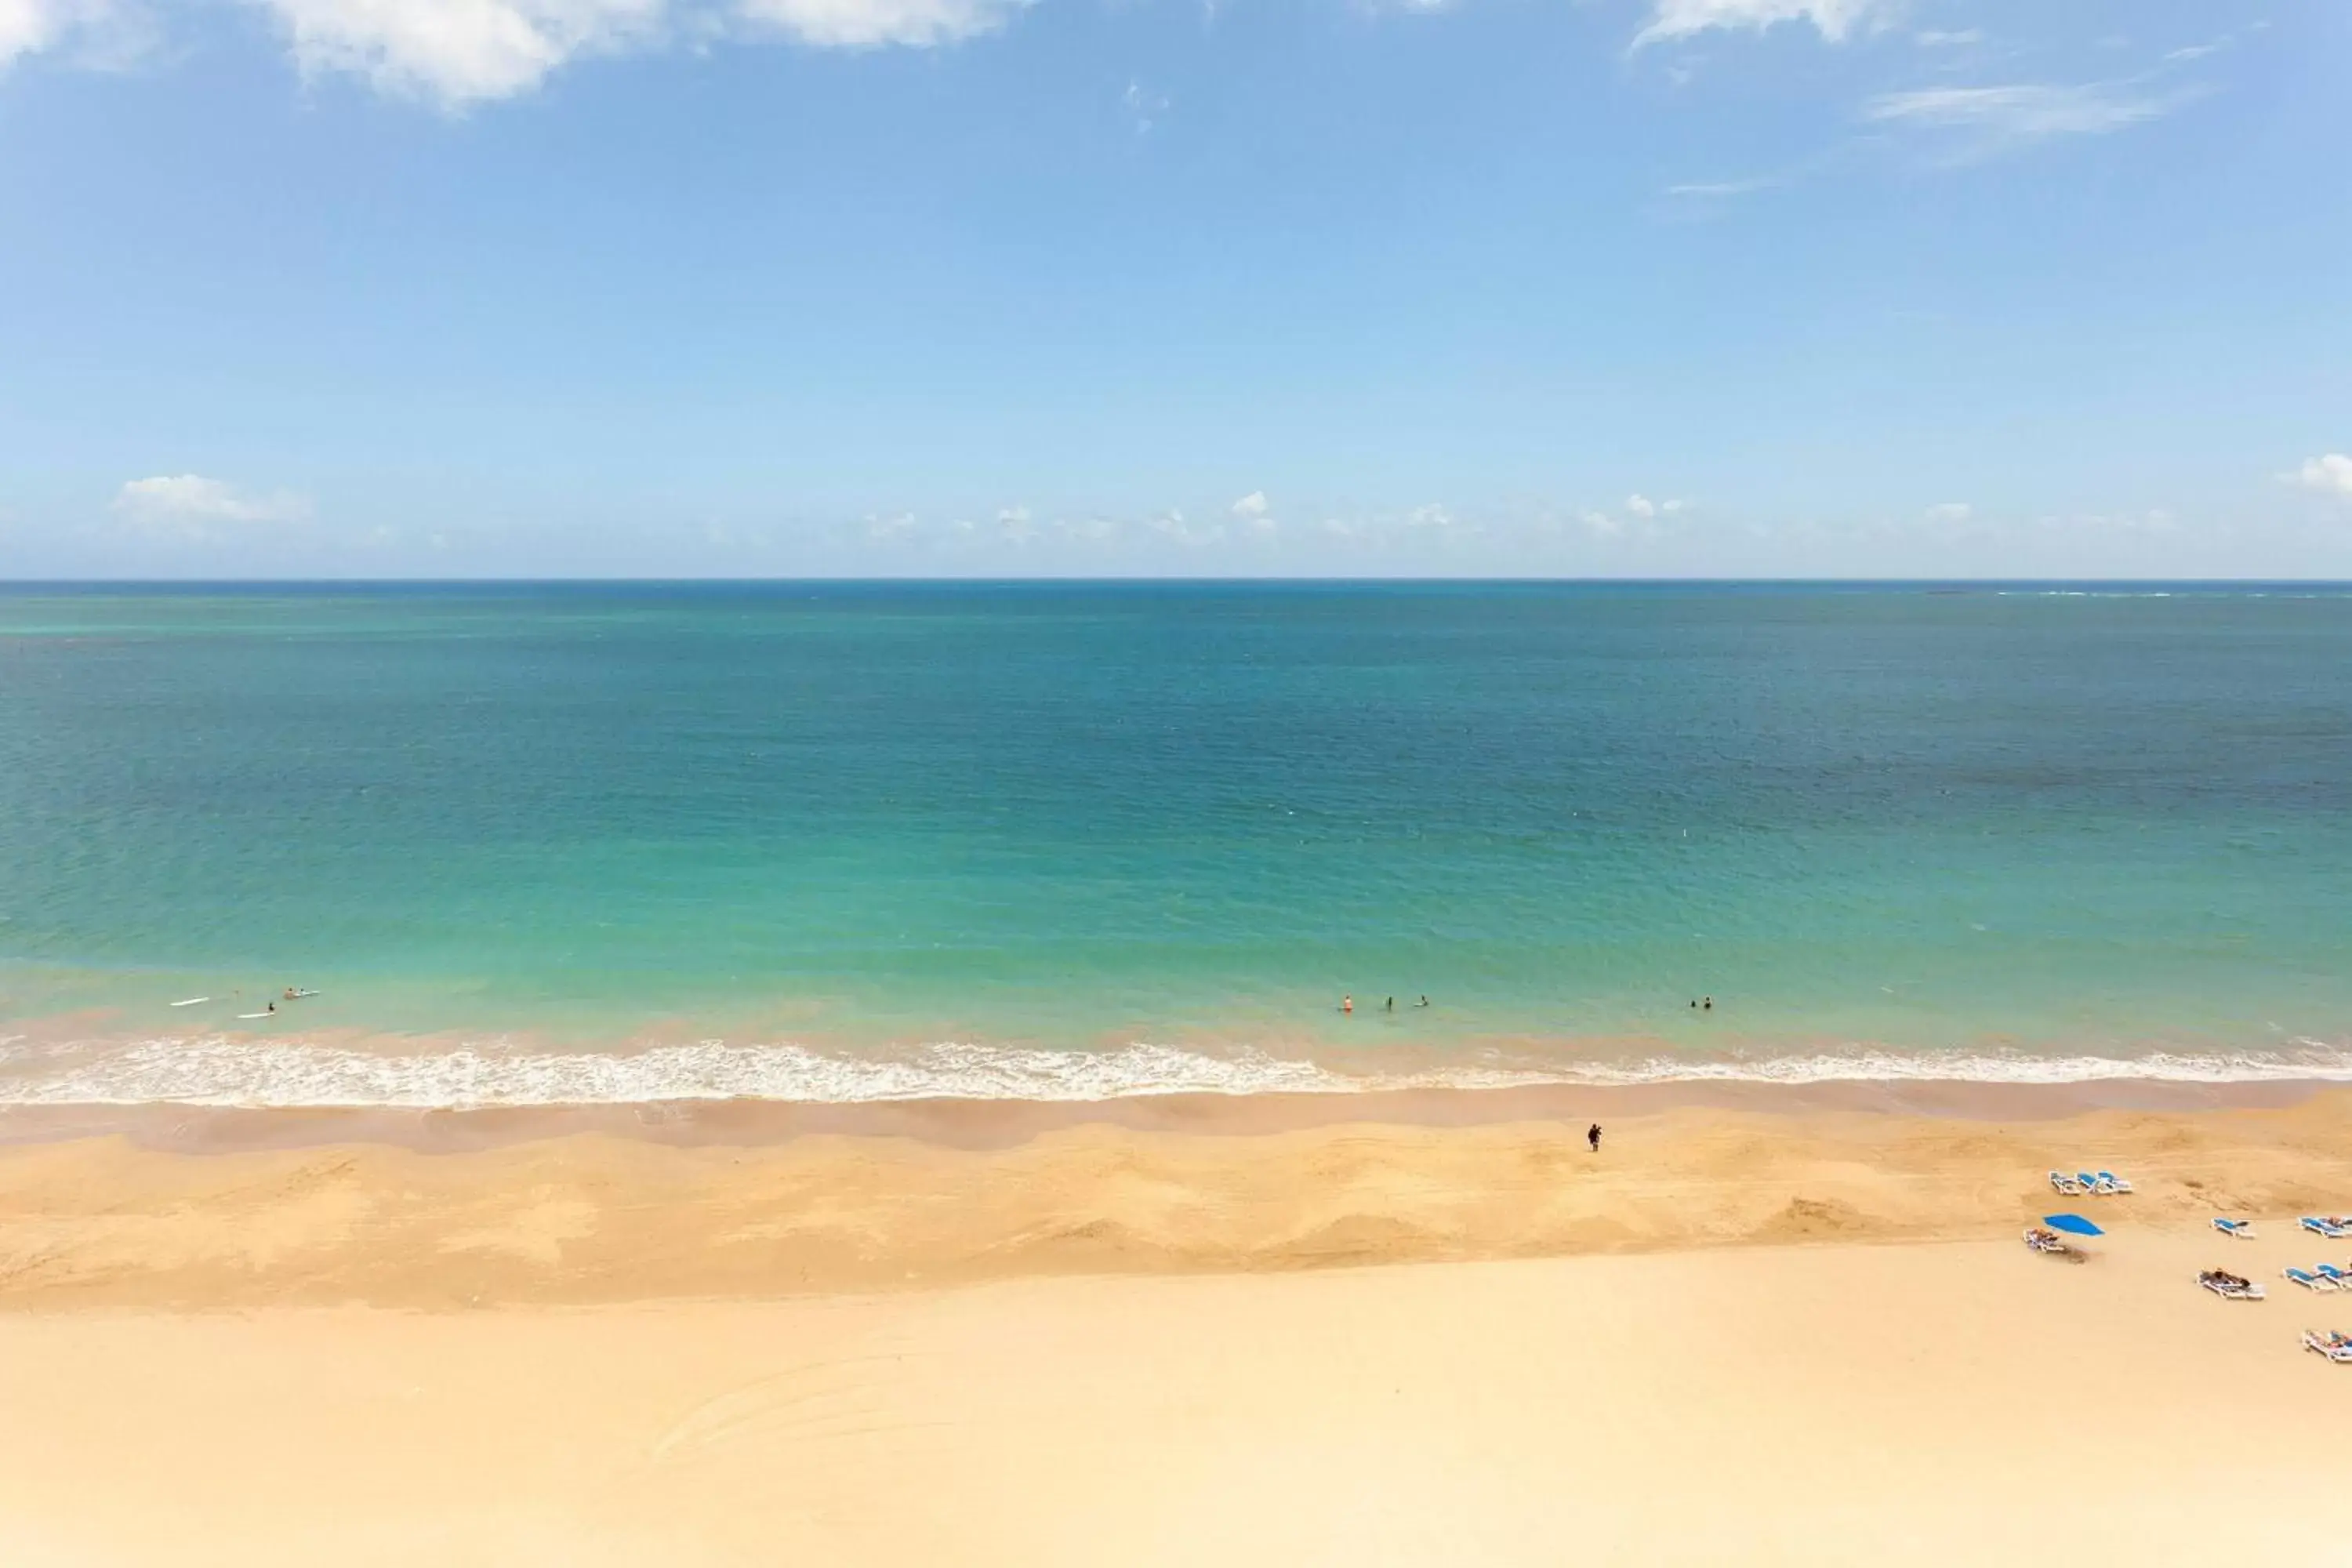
(614, 841)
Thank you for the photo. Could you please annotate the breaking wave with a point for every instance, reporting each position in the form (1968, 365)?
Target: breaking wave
(219, 1072)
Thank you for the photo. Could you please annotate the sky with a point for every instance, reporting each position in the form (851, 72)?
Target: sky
(1181, 287)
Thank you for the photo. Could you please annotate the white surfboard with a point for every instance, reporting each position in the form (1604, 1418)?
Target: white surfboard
(191, 1001)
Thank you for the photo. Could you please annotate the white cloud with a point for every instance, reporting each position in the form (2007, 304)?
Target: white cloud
(1641, 506)
(1950, 511)
(459, 52)
(101, 32)
(1254, 512)
(1834, 19)
(26, 26)
(868, 24)
(192, 504)
(1941, 38)
(2014, 115)
(2331, 474)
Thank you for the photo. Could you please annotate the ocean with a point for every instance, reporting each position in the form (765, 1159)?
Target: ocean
(590, 843)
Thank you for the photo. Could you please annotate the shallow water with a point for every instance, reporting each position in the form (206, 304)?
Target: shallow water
(860, 841)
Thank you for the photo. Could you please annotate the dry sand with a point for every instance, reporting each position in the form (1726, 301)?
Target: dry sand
(1111, 1346)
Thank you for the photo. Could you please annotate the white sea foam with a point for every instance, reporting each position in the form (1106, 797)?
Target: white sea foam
(219, 1072)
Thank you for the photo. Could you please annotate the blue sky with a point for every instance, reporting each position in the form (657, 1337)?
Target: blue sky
(422, 288)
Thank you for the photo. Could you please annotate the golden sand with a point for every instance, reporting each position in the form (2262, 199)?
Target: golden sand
(1110, 1346)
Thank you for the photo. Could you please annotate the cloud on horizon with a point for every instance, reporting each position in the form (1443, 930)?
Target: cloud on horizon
(2330, 473)
(194, 507)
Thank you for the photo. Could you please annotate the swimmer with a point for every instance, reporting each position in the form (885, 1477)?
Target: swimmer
(1347, 1003)
(1707, 1005)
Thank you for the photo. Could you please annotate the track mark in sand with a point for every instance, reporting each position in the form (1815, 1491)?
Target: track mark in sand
(821, 1402)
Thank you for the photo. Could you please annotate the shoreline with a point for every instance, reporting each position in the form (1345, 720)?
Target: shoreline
(963, 1123)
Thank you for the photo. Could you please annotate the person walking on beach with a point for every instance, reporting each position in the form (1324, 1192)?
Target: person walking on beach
(1592, 1136)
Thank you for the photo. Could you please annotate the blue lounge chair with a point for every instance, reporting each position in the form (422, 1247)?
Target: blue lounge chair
(2307, 1279)
(2335, 1347)
(2065, 1184)
(2244, 1229)
(2087, 1182)
(2328, 1227)
(2329, 1271)
(2111, 1182)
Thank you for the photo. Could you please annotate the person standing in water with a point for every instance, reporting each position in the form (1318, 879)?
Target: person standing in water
(1392, 1004)
(1347, 1003)
(1592, 1136)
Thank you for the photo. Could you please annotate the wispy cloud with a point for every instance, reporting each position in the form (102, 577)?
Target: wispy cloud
(1947, 38)
(1985, 120)
(1723, 190)
(1145, 109)
(1834, 19)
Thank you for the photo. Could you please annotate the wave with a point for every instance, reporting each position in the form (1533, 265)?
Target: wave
(216, 1071)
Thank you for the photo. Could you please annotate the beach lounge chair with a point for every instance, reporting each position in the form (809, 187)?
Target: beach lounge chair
(2334, 1347)
(2307, 1279)
(2323, 1226)
(2244, 1229)
(2329, 1271)
(2065, 1184)
(2112, 1184)
(2085, 1183)
(2048, 1241)
(2229, 1286)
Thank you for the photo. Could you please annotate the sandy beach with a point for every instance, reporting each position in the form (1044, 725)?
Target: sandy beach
(1800, 1336)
